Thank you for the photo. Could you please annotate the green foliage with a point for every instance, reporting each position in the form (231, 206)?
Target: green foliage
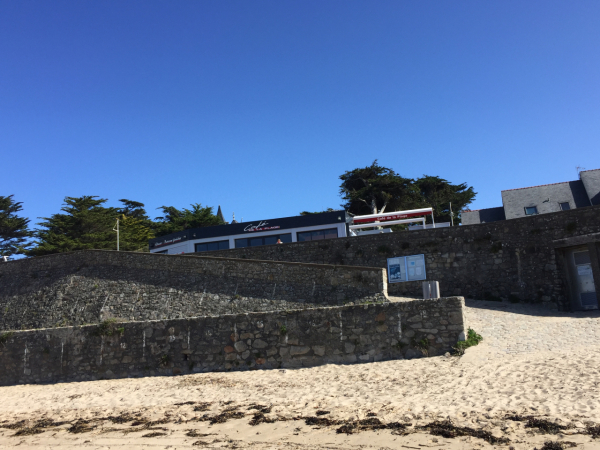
(283, 330)
(174, 220)
(422, 345)
(14, 231)
(472, 339)
(108, 328)
(438, 193)
(164, 360)
(4, 337)
(376, 189)
(85, 223)
(306, 213)
(134, 233)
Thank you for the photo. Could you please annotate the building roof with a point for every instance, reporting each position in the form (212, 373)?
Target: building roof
(539, 185)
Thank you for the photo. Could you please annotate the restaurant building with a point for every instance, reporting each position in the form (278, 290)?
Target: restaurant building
(311, 227)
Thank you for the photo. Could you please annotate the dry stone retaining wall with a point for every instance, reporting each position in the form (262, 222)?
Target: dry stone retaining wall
(280, 339)
(511, 259)
(92, 285)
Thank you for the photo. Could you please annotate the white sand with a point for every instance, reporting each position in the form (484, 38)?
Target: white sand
(477, 390)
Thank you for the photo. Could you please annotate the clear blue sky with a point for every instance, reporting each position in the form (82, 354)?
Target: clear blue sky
(259, 106)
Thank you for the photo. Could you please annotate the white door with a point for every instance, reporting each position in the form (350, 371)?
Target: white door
(586, 289)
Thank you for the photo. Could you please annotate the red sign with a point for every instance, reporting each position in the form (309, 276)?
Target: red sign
(391, 217)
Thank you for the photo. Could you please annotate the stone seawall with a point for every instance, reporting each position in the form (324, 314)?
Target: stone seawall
(90, 286)
(511, 259)
(279, 339)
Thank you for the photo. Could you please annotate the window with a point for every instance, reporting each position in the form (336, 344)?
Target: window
(163, 251)
(212, 246)
(317, 235)
(266, 240)
(564, 206)
(530, 210)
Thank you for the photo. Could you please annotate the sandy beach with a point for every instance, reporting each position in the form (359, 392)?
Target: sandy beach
(495, 396)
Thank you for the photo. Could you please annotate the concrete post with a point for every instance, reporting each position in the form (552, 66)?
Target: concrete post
(431, 289)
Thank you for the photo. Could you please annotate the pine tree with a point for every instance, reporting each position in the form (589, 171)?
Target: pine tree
(84, 224)
(174, 220)
(14, 231)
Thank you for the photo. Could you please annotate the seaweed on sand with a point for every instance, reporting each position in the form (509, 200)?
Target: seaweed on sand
(448, 430)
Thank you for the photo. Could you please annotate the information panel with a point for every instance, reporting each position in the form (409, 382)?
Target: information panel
(406, 268)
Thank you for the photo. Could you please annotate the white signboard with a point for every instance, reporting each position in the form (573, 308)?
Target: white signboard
(406, 268)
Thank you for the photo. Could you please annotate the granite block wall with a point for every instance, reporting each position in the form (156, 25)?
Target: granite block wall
(90, 286)
(279, 339)
(511, 259)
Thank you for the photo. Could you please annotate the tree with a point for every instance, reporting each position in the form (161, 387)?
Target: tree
(307, 213)
(375, 189)
(174, 220)
(134, 233)
(14, 231)
(133, 209)
(438, 193)
(86, 224)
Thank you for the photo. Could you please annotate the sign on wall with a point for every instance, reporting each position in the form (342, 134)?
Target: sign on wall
(406, 268)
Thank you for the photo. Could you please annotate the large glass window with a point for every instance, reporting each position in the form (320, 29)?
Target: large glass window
(266, 240)
(330, 233)
(564, 206)
(530, 210)
(212, 246)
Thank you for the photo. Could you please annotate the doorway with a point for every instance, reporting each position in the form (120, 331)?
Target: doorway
(584, 294)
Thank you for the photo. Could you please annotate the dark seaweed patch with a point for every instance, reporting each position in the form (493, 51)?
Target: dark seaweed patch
(202, 407)
(321, 421)
(81, 426)
(122, 418)
(261, 408)
(544, 426)
(259, 417)
(194, 433)
(29, 431)
(372, 423)
(155, 434)
(594, 431)
(448, 430)
(321, 412)
(549, 445)
(224, 416)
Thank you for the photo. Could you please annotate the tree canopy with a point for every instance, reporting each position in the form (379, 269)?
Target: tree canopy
(377, 189)
(439, 193)
(307, 213)
(14, 230)
(174, 219)
(86, 224)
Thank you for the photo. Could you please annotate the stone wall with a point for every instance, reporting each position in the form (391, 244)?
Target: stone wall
(281, 339)
(89, 286)
(511, 259)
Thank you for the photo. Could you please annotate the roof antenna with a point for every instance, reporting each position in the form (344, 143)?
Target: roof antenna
(579, 169)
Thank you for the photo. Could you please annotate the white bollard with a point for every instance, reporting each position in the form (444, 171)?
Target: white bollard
(431, 289)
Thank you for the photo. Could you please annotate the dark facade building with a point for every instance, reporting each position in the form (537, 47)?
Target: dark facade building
(311, 227)
(543, 199)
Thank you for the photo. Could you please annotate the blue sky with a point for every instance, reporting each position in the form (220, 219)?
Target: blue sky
(260, 106)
